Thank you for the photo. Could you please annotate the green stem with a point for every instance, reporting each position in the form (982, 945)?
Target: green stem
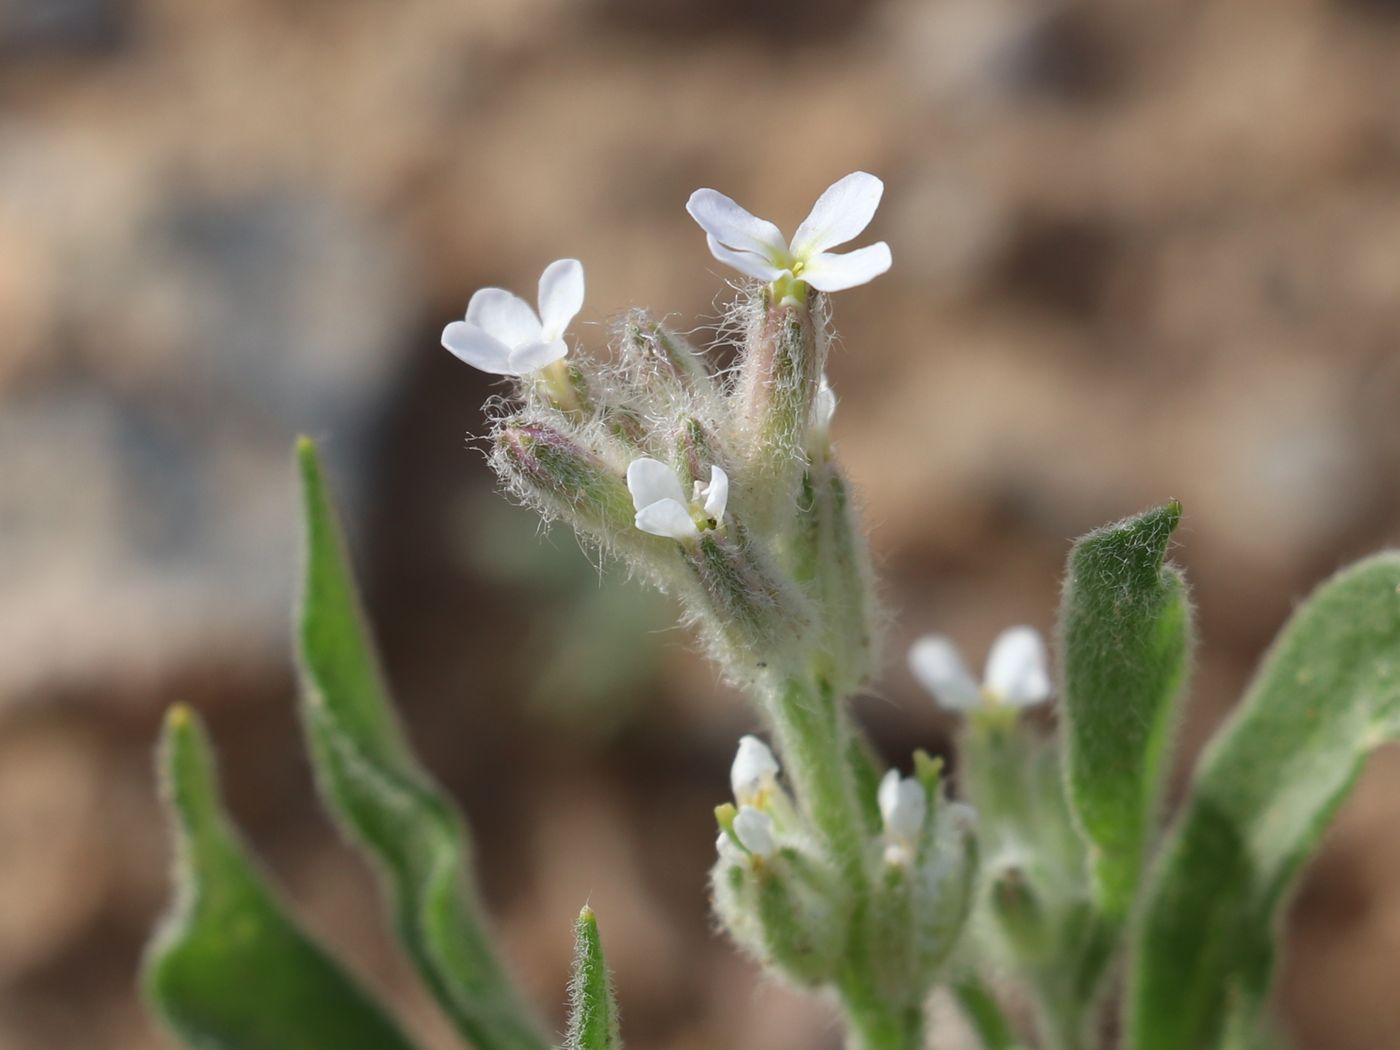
(815, 738)
(983, 1013)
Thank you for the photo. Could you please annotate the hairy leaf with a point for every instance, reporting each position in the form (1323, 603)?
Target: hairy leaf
(369, 778)
(1326, 695)
(592, 1007)
(228, 969)
(1125, 628)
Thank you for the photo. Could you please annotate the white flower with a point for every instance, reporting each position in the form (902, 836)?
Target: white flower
(756, 247)
(502, 333)
(753, 776)
(1017, 674)
(754, 830)
(662, 506)
(903, 806)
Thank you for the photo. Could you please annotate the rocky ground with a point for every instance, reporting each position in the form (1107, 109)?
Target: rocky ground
(1142, 250)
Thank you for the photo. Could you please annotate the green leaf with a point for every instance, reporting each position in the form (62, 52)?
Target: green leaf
(592, 1009)
(1326, 695)
(1125, 627)
(228, 969)
(385, 800)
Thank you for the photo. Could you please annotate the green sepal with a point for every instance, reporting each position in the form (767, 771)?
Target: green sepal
(1124, 636)
(228, 969)
(593, 1023)
(370, 780)
(1326, 695)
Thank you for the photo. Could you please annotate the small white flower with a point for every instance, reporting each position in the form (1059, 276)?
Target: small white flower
(754, 830)
(662, 506)
(824, 408)
(1017, 672)
(502, 333)
(753, 776)
(756, 247)
(903, 804)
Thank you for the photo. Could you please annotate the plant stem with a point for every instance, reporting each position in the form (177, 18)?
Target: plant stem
(815, 738)
(983, 1013)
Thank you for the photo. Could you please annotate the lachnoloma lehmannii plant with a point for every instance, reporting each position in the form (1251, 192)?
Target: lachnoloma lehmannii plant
(1045, 893)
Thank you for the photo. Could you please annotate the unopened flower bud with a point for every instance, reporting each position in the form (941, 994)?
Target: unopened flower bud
(754, 829)
(657, 355)
(753, 776)
(903, 806)
(1020, 914)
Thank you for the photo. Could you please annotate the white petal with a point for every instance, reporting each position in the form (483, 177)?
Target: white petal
(728, 223)
(561, 296)
(754, 829)
(667, 518)
(825, 406)
(477, 348)
(840, 214)
(754, 766)
(534, 356)
(745, 262)
(716, 494)
(831, 272)
(903, 804)
(650, 481)
(504, 316)
(938, 667)
(1017, 670)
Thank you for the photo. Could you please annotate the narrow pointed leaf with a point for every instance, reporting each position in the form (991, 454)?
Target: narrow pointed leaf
(228, 969)
(1125, 626)
(592, 1008)
(371, 781)
(1327, 694)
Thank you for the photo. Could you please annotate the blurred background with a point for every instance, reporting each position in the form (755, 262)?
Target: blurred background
(1142, 250)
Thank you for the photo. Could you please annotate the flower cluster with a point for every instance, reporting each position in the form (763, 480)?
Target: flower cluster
(717, 486)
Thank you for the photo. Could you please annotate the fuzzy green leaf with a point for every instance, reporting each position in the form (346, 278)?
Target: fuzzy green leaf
(1125, 626)
(228, 969)
(593, 1021)
(388, 804)
(1326, 695)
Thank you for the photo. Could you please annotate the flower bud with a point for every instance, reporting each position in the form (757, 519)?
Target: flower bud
(657, 356)
(778, 902)
(923, 898)
(1021, 915)
(561, 477)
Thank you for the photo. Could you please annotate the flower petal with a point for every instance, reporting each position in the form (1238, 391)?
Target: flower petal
(935, 662)
(650, 481)
(478, 349)
(561, 296)
(1017, 669)
(840, 214)
(534, 356)
(830, 272)
(728, 223)
(745, 262)
(754, 765)
(903, 804)
(717, 493)
(667, 518)
(504, 316)
(754, 830)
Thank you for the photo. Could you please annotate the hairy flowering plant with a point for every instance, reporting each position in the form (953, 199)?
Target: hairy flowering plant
(1044, 893)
